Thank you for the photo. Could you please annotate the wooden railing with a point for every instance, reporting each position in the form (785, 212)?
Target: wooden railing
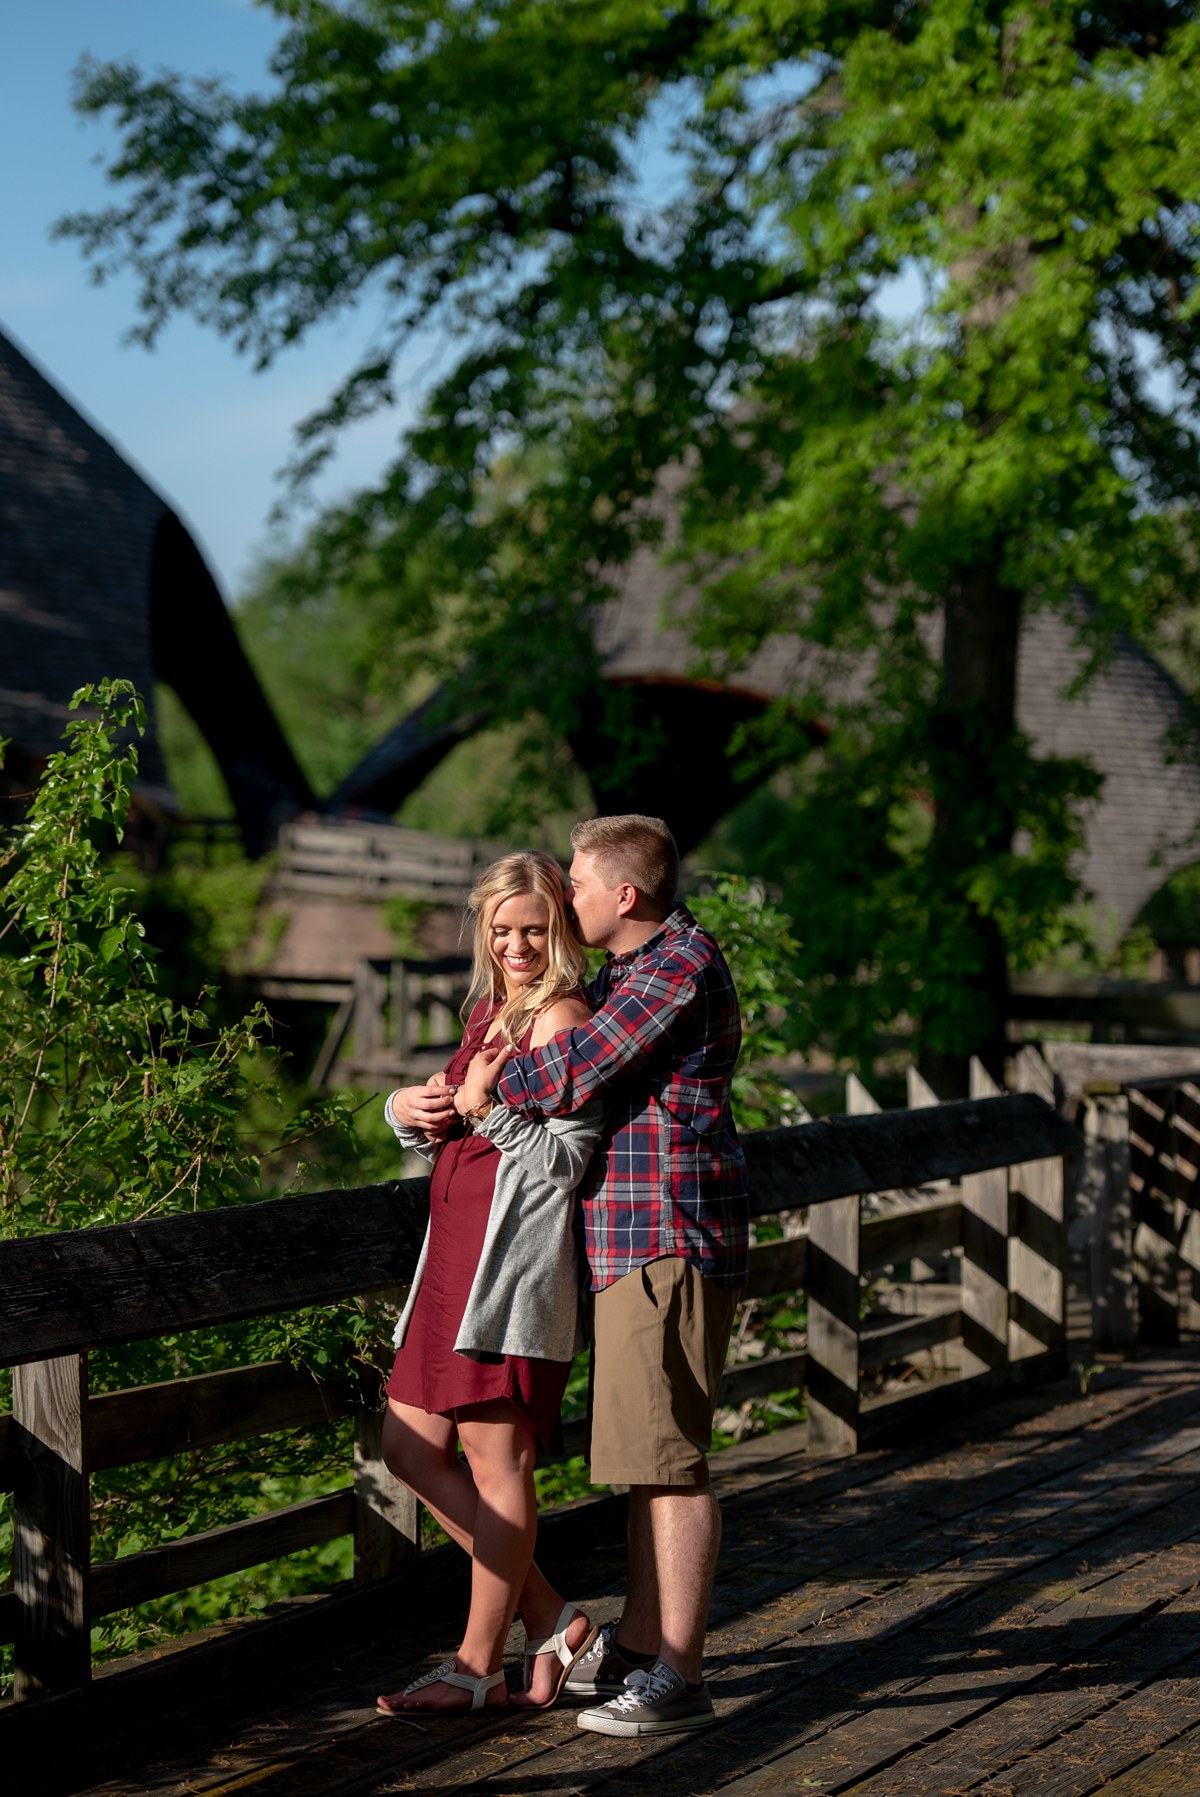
(66, 1294)
(342, 858)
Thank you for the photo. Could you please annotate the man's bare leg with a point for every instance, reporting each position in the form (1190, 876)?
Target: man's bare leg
(675, 1532)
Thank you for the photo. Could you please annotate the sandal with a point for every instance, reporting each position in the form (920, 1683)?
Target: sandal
(447, 1674)
(556, 1644)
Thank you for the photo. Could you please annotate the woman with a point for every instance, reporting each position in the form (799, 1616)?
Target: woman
(486, 1339)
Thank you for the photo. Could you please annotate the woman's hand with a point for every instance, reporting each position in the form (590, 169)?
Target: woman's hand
(429, 1108)
(483, 1075)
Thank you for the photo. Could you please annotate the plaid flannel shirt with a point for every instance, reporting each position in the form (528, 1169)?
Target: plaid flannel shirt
(668, 1176)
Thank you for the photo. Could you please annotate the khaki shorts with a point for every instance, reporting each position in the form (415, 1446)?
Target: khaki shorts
(659, 1337)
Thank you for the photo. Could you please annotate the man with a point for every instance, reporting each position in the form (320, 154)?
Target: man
(665, 1222)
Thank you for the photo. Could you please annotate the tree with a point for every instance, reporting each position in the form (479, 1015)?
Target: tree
(910, 290)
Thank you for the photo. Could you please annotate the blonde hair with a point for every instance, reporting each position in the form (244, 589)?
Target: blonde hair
(513, 875)
(633, 848)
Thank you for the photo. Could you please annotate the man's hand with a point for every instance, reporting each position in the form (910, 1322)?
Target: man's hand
(483, 1075)
(429, 1108)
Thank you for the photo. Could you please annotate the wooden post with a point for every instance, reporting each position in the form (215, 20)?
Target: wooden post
(386, 1514)
(985, 1259)
(1155, 1237)
(1187, 1196)
(1038, 1262)
(1104, 1219)
(833, 1305)
(51, 1548)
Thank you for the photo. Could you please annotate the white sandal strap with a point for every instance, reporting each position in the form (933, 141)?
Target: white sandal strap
(557, 1642)
(446, 1674)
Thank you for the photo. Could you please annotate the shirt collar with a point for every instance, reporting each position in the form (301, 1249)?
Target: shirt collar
(679, 919)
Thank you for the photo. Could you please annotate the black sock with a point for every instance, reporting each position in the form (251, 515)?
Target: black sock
(638, 1659)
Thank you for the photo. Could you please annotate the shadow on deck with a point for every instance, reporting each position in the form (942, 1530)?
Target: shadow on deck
(1011, 1607)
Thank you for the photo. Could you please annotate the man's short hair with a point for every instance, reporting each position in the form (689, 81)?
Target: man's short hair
(639, 850)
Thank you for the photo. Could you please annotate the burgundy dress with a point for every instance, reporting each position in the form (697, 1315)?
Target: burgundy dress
(427, 1373)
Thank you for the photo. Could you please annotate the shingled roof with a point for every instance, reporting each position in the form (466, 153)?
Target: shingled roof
(98, 578)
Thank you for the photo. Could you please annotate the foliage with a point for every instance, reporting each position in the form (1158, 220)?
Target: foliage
(763, 956)
(120, 1100)
(910, 290)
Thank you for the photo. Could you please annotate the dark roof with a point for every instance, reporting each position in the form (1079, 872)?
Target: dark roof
(98, 578)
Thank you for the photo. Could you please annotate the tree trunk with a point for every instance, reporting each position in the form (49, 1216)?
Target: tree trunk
(974, 722)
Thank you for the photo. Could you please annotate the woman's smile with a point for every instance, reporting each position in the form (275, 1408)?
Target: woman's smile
(518, 938)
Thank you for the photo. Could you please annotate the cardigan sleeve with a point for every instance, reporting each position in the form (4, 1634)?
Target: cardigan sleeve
(555, 1149)
(414, 1139)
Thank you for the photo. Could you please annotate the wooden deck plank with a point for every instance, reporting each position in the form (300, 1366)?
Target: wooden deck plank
(1020, 1732)
(932, 1592)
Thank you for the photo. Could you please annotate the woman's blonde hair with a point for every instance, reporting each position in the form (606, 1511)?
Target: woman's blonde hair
(513, 875)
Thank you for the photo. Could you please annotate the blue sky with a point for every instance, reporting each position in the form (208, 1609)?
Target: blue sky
(192, 415)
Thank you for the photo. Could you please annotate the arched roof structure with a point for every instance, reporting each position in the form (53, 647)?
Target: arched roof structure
(99, 578)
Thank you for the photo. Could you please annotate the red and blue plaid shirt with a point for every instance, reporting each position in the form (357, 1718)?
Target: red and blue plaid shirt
(668, 1176)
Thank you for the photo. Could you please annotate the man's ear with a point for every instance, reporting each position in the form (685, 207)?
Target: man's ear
(627, 897)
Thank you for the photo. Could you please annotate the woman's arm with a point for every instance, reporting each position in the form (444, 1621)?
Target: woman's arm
(554, 1149)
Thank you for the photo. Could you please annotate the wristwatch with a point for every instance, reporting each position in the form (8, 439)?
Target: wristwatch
(478, 1112)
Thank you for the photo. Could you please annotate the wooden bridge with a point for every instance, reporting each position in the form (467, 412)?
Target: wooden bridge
(1003, 1600)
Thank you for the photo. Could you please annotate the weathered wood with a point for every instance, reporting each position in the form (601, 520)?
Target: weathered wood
(777, 1267)
(882, 1344)
(94, 1287)
(859, 1101)
(842, 1156)
(935, 1228)
(1037, 1261)
(985, 1258)
(1153, 1006)
(1155, 1241)
(1103, 1227)
(157, 1571)
(1032, 1073)
(387, 1528)
(833, 1307)
(51, 1527)
(758, 1378)
(148, 1422)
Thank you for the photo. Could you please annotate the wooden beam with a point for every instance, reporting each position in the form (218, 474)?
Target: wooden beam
(9, 1613)
(51, 1527)
(777, 1267)
(135, 1579)
(884, 1343)
(833, 1307)
(985, 1254)
(758, 1378)
(934, 1228)
(148, 1422)
(838, 1157)
(93, 1287)
(387, 1522)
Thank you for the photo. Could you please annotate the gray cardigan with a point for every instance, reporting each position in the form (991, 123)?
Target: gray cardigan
(525, 1296)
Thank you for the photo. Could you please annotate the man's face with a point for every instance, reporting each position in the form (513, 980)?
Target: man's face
(594, 904)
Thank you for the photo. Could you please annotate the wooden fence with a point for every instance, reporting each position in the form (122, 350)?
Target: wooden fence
(88, 1289)
(398, 1022)
(344, 859)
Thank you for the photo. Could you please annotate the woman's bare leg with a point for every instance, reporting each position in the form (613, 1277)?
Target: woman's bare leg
(488, 1506)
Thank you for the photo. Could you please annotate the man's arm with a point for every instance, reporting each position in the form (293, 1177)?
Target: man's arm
(580, 1064)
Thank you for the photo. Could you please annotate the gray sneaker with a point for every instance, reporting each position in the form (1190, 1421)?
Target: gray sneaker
(655, 1701)
(602, 1668)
